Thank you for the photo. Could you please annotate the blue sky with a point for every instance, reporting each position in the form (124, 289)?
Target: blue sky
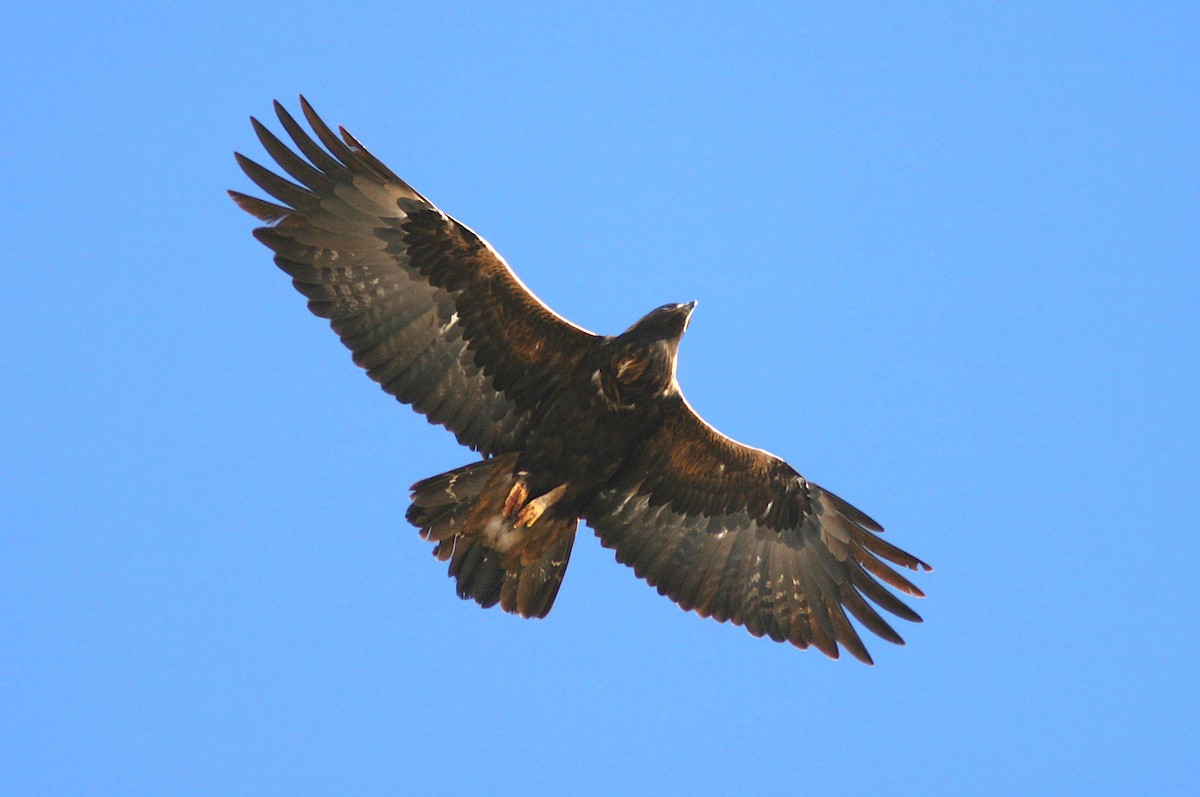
(948, 265)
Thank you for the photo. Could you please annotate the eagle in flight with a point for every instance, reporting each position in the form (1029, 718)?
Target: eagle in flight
(571, 425)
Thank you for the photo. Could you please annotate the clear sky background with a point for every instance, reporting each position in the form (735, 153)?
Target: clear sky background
(948, 265)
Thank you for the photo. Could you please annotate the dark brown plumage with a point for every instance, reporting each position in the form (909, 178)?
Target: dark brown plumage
(571, 425)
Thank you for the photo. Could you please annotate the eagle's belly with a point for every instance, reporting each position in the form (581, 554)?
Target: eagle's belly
(582, 442)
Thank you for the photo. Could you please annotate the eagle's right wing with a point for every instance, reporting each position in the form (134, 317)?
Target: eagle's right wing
(734, 533)
(426, 306)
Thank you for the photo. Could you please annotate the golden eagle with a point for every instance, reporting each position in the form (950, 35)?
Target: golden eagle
(571, 425)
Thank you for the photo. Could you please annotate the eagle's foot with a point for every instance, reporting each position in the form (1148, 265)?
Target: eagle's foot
(516, 497)
(533, 510)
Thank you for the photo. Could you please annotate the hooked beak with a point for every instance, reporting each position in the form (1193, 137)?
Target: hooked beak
(687, 310)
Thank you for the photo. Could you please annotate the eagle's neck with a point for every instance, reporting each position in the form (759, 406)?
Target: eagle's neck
(636, 371)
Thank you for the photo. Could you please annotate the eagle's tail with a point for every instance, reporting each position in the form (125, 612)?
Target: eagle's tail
(493, 561)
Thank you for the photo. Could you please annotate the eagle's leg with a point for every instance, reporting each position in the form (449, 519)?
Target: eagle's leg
(516, 497)
(534, 509)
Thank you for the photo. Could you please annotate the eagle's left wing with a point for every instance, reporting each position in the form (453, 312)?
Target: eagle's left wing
(734, 533)
(426, 306)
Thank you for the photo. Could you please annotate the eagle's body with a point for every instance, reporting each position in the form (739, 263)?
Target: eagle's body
(571, 425)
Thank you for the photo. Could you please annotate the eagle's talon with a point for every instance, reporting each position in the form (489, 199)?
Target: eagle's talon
(534, 509)
(516, 497)
(530, 513)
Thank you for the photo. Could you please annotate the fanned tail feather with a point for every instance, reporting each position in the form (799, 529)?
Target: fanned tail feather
(455, 509)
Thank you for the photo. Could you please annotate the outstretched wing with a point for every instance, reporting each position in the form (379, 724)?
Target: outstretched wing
(733, 533)
(427, 307)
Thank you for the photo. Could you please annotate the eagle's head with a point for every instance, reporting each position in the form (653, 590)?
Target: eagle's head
(642, 359)
(666, 323)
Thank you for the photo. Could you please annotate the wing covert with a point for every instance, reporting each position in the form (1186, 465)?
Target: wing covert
(427, 307)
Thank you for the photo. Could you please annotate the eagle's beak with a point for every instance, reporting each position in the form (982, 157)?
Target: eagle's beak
(687, 310)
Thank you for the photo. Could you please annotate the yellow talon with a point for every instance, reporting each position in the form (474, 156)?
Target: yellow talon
(516, 497)
(534, 509)
(530, 514)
